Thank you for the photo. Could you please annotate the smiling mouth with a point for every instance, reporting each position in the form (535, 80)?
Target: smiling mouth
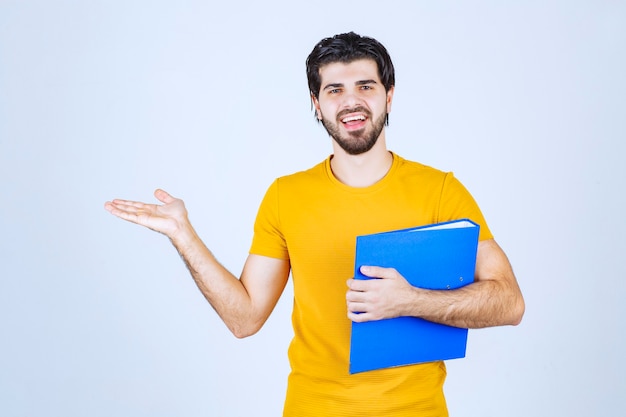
(354, 121)
(358, 118)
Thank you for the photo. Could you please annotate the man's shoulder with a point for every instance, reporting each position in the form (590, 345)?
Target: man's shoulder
(313, 173)
(410, 167)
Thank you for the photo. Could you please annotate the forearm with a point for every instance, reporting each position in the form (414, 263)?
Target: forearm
(224, 291)
(481, 304)
(243, 303)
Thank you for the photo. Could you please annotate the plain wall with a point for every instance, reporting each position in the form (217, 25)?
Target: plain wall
(524, 101)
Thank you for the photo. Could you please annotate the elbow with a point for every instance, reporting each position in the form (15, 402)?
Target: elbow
(517, 312)
(244, 331)
(245, 324)
(242, 334)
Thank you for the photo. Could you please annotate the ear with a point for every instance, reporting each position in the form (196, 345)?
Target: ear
(316, 104)
(389, 98)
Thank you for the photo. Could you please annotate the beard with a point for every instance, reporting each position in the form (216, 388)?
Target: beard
(357, 142)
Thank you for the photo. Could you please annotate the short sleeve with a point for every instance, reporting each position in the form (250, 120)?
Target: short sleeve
(458, 203)
(268, 239)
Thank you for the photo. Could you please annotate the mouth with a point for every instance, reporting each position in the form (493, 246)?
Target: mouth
(354, 121)
(349, 119)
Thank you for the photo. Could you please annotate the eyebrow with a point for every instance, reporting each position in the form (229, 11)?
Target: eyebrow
(363, 82)
(338, 85)
(334, 85)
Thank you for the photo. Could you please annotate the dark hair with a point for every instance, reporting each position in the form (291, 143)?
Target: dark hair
(348, 47)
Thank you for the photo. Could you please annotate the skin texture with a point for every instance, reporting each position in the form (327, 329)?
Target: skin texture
(360, 158)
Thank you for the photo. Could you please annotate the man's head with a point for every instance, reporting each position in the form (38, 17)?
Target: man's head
(345, 48)
(351, 79)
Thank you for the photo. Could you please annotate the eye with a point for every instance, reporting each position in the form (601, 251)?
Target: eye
(366, 87)
(334, 91)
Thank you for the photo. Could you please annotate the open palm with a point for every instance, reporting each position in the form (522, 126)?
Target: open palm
(167, 218)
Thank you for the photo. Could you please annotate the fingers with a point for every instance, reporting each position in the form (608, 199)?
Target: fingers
(374, 299)
(371, 272)
(358, 285)
(361, 308)
(357, 308)
(124, 204)
(357, 298)
(126, 210)
(166, 218)
(378, 272)
(161, 195)
(360, 317)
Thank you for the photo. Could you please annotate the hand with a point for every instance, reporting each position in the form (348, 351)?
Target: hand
(168, 218)
(387, 296)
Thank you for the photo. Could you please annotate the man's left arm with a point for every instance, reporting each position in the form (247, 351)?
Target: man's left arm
(493, 299)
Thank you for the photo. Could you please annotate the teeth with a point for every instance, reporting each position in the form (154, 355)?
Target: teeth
(353, 118)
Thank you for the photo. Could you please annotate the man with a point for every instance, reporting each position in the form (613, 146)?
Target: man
(307, 224)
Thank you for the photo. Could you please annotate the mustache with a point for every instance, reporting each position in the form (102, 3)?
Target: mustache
(357, 109)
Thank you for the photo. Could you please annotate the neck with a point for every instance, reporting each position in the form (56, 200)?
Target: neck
(361, 170)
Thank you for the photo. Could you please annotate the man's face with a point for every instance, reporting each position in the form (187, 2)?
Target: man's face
(353, 104)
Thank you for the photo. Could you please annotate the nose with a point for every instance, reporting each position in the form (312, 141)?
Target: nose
(351, 99)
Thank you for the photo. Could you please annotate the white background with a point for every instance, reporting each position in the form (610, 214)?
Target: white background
(524, 101)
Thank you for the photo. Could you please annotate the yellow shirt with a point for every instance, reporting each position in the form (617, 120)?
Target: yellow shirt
(312, 219)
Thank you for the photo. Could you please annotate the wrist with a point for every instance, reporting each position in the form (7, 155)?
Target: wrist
(415, 302)
(183, 235)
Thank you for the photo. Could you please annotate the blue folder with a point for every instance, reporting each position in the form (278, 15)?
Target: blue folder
(439, 257)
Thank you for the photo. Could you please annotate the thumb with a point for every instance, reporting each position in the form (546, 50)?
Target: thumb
(163, 196)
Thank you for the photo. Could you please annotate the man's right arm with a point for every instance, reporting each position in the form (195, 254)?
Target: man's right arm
(243, 304)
